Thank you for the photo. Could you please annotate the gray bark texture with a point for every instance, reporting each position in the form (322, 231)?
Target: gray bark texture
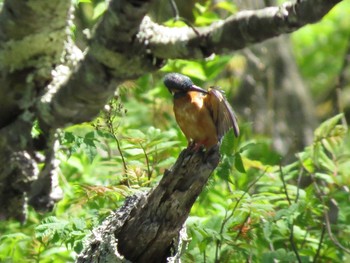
(48, 83)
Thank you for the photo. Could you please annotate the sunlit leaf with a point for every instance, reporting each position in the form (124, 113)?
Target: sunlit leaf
(239, 163)
(99, 9)
(228, 6)
(325, 129)
(326, 177)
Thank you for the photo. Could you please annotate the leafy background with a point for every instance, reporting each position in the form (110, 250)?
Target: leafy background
(252, 208)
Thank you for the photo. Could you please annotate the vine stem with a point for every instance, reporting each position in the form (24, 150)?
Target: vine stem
(149, 170)
(291, 236)
(120, 151)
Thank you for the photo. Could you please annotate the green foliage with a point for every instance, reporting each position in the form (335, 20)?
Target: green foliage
(274, 213)
(253, 209)
(320, 49)
(53, 230)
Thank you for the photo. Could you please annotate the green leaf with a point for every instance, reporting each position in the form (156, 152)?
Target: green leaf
(227, 6)
(325, 162)
(325, 129)
(159, 147)
(239, 163)
(69, 137)
(90, 152)
(167, 162)
(134, 151)
(224, 169)
(50, 228)
(15, 236)
(194, 70)
(267, 230)
(216, 66)
(137, 134)
(282, 254)
(288, 213)
(36, 131)
(99, 9)
(326, 177)
(335, 138)
(227, 144)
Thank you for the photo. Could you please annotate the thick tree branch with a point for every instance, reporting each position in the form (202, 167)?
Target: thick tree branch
(123, 48)
(236, 32)
(33, 38)
(113, 56)
(33, 35)
(144, 229)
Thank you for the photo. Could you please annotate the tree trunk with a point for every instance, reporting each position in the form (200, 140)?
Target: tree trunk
(146, 228)
(274, 97)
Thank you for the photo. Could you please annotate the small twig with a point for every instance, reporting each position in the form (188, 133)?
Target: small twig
(149, 171)
(284, 185)
(320, 244)
(218, 242)
(272, 248)
(291, 239)
(298, 183)
(175, 9)
(177, 17)
(291, 236)
(320, 195)
(330, 233)
(229, 187)
(110, 115)
(304, 238)
(110, 126)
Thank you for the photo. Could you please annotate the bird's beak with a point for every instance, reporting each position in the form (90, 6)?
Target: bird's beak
(198, 89)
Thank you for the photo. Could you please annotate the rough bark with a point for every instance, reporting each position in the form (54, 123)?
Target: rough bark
(234, 33)
(113, 56)
(145, 228)
(33, 35)
(33, 40)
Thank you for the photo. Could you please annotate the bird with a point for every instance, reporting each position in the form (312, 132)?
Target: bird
(204, 116)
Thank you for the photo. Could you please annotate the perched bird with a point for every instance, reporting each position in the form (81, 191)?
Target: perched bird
(203, 116)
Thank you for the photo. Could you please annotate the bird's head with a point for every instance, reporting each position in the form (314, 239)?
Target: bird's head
(178, 83)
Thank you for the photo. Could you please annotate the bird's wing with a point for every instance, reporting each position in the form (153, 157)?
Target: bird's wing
(222, 113)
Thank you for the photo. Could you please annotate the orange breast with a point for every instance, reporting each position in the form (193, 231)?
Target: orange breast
(195, 120)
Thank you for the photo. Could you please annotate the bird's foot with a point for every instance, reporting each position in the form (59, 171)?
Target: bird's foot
(195, 147)
(213, 150)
